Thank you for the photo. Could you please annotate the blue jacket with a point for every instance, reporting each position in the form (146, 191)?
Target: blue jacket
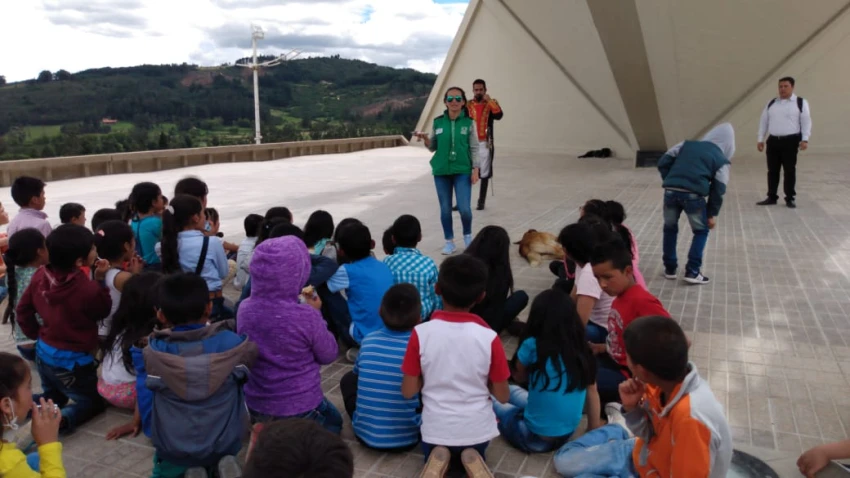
(701, 167)
(196, 374)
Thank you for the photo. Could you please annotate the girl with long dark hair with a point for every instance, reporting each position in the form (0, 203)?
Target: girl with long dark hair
(502, 303)
(556, 360)
(27, 252)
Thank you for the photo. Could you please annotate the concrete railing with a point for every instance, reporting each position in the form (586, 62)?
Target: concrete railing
(70, 167)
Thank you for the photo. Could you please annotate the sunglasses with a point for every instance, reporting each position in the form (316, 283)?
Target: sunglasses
(457, 99)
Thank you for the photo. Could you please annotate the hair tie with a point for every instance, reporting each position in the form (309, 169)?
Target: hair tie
(170, 209)
(100, 233)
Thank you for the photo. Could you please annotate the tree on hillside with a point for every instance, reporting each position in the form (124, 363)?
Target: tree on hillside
(63, 75)
(45, 77)
(164, 140)
(2, 80)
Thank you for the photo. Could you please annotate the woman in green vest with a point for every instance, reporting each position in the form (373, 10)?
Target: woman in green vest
(454, 141)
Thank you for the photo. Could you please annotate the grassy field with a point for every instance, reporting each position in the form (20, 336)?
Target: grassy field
(122, 127)
(49, 131)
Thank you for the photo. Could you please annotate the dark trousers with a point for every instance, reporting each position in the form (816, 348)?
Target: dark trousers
(482, 192)
(510, 310)
(79, 385)
(782, 154)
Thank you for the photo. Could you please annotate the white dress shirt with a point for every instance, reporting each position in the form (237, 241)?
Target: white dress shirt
(784, 118)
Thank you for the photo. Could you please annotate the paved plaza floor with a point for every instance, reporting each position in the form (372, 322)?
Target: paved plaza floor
(770, 333)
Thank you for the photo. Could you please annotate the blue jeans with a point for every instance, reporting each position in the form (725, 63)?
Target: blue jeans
(326, 415)
(462, 185)
(596, 333)
(606, 452)
(513, 427)
(609, 376)
(694, 207)
(79, 385)
(220, 311)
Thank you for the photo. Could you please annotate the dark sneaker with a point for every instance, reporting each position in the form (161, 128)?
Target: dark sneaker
(455, 209)
(480, 207)
(766, 202)
(696, 278)
(791, 203)
(669, 274)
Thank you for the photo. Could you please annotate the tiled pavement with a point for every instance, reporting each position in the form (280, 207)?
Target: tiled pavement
(770, 333)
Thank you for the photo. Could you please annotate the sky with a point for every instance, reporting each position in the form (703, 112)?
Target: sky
(75, 35)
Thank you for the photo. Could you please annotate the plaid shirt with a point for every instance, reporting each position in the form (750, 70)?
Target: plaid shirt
(409, 266)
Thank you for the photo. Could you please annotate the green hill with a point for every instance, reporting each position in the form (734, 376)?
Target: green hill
(176, 106)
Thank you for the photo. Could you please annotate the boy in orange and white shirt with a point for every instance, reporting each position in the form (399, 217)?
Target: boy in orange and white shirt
(679, 426)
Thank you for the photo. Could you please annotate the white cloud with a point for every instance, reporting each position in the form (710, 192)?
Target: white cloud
(79, 34)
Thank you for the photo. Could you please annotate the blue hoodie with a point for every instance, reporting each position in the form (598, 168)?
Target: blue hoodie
(701, 167)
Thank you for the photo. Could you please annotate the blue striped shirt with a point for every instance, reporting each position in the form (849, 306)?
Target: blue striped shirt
(409, 266)
(383, 417)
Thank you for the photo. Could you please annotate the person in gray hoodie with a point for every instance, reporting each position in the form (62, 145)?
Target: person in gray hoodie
(692, 171)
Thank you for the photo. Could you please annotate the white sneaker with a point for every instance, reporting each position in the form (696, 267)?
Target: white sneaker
(467, 240)
(614, 411)
(351, 354)
(449, 248)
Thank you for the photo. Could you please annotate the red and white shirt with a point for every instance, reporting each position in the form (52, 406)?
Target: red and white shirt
(456, 354)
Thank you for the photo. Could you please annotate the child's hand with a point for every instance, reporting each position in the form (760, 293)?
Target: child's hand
(101, 267)
(45, 422)
(131, 428)
(136, 265)
(598, 349)
(312, 299)
(813, 461)
(712, 221)
(631, 392)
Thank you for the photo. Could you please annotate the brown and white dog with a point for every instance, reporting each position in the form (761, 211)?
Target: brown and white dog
(534, 245)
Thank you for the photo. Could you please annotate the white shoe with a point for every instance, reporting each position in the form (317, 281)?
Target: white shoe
(351, 354)
(449, 248)
(614, 411)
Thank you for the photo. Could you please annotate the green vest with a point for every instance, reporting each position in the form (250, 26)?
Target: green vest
(452, 154)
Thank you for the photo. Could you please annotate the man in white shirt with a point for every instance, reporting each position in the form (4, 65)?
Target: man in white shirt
(787, 123)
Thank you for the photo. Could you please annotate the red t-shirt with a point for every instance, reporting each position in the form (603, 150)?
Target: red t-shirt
(633, 303)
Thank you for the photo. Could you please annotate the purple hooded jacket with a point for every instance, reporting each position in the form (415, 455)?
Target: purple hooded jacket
(293, 339)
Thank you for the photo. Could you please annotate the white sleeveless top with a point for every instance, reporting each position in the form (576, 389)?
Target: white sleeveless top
(115, 295)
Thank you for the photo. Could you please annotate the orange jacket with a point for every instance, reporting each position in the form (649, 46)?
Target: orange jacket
(688, 437)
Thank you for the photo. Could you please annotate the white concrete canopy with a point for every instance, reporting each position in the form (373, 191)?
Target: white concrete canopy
(574, 75)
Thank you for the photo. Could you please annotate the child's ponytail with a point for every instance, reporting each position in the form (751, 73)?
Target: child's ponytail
(23, 250)
(111, 239)
(175, 218)
(616, 215)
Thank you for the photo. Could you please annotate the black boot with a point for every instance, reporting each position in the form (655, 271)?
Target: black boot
(482, 194)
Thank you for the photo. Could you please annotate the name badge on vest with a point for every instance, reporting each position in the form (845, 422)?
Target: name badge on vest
(439, 131)
(464, 130)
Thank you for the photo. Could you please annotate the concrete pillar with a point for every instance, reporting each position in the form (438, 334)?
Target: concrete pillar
(157, 163)
(232, 157)
(209, 158)
(86, 170)
(184, 160)
(620, 31)
(129, 163)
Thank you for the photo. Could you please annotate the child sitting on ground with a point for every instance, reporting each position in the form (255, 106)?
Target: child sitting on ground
(614, 214)
(71, 307)
(292, 338)
(115, 243)
(457, 411)
(679, 424)
(501, 304)
(246, 249)
(556, 361)
(146, 206)
(16, 403)
(382, 418)
(318, 232)
(410, 266)
(592, 303)
(28, 193)
(27, 252)
(364, 279)
(186, 248)
(132, 323)
(196, 372)
(72, 213)
(106, 214)
(297, 447)
(612, 266)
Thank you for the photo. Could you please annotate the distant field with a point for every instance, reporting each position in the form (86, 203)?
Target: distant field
(49, 131)
(122, 127)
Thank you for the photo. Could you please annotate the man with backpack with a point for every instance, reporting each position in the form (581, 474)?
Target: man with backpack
(787, 123)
